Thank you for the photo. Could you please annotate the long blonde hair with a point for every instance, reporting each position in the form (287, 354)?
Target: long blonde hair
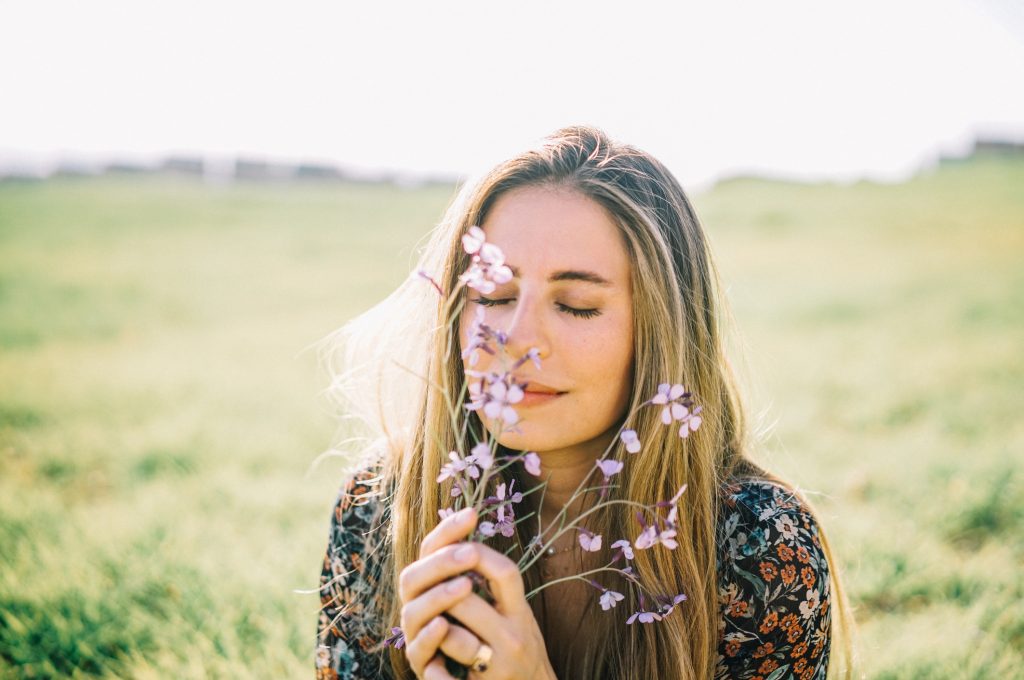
(400, 369)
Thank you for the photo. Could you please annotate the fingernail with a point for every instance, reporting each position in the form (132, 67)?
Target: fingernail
(455, 585)
(464, 554)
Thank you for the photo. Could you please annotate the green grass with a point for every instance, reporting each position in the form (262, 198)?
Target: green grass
(159, 415)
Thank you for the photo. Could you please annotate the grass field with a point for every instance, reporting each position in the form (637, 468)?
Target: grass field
(159, 415)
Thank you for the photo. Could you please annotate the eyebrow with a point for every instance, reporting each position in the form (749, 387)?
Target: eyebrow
(571, 275)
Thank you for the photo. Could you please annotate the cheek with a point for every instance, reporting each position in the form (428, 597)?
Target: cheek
(606, 358)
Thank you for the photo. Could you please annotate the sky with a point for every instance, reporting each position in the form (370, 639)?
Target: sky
(798, 89)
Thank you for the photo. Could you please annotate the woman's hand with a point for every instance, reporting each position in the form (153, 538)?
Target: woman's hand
(508, 627)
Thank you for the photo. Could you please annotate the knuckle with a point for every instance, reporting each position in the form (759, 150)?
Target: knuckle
(404, 578)
(515, 645)
(506, 571)
(434, 671)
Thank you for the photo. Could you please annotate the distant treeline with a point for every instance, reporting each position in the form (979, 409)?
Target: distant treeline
(220, 170)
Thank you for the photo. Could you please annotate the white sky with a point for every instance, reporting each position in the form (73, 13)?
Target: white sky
(796, 88)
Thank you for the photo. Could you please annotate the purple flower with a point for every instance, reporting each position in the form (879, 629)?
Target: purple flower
(678, 407)
(487, 267)
(609, 468)
(651, 537)
(479, 334)
(445, 512)
(396, 639)
(487, 529)
(610, 598)
(625, 549)
(645, 617)
(691, 424)
(589, 541)
(668, 604)
(473, 240)
(631, 441)
(506, 515)
(494, 394)
(531, 461)
(458, 466)
(481, 455)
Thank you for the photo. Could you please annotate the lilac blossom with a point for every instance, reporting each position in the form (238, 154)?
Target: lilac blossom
(589, 541)
(678, 407)
(487, 268)
(610, 598)
(495, 394)
(631, 441)
(481, 455)
(479, 335)
(506, 516)
(396, 639)
(624, 548)
(458, 466)
(652, 534)
(531, 461)
(445, 513)
(644, 617)
(473, 240)
(669, 603)
(609, 468)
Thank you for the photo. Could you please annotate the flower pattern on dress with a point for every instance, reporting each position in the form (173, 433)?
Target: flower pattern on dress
(773, 587)
(348, 641)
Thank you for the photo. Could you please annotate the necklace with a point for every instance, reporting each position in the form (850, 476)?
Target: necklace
(551, 552)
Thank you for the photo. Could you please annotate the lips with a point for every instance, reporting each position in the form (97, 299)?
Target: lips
(533, 387)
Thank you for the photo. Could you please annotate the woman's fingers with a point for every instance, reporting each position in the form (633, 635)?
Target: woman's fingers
(460, 644)
(420, 610)
(449, 530)
(504, 578)
(455, 641)
(436, 671)
(427, 572)
(420, 650)
(479, 618)
(501, 573)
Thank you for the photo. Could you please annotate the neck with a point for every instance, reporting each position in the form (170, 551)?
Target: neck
(565, 470)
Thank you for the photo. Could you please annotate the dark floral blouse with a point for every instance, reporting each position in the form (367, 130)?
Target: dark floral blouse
(773, 587)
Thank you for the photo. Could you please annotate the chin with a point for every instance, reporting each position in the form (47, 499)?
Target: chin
(539, 439)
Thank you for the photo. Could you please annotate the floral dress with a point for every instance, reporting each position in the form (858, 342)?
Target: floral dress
(773, 587)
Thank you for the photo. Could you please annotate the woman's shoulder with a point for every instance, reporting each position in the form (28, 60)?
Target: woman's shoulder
(774, 583)
(756, 500)
(348, 631)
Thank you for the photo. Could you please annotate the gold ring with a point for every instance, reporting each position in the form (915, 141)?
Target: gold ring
(482, 658)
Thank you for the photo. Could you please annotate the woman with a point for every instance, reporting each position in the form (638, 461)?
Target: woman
(612, 290)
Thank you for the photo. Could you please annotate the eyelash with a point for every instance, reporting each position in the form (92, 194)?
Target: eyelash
(578, 313)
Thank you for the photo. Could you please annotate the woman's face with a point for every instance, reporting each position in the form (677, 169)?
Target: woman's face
(571, 299)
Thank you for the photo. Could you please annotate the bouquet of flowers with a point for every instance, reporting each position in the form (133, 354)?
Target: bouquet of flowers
(475, 475)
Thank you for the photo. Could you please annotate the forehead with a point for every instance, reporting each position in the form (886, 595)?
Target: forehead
(544, 229)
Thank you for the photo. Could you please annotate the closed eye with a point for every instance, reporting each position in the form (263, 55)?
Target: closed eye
(579, 313)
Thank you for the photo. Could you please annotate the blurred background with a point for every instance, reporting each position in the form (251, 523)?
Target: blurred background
(192, 194)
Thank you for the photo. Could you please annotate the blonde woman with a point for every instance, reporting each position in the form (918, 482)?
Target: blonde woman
(614, 291)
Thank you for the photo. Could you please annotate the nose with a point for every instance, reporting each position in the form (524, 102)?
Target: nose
(528, 329)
